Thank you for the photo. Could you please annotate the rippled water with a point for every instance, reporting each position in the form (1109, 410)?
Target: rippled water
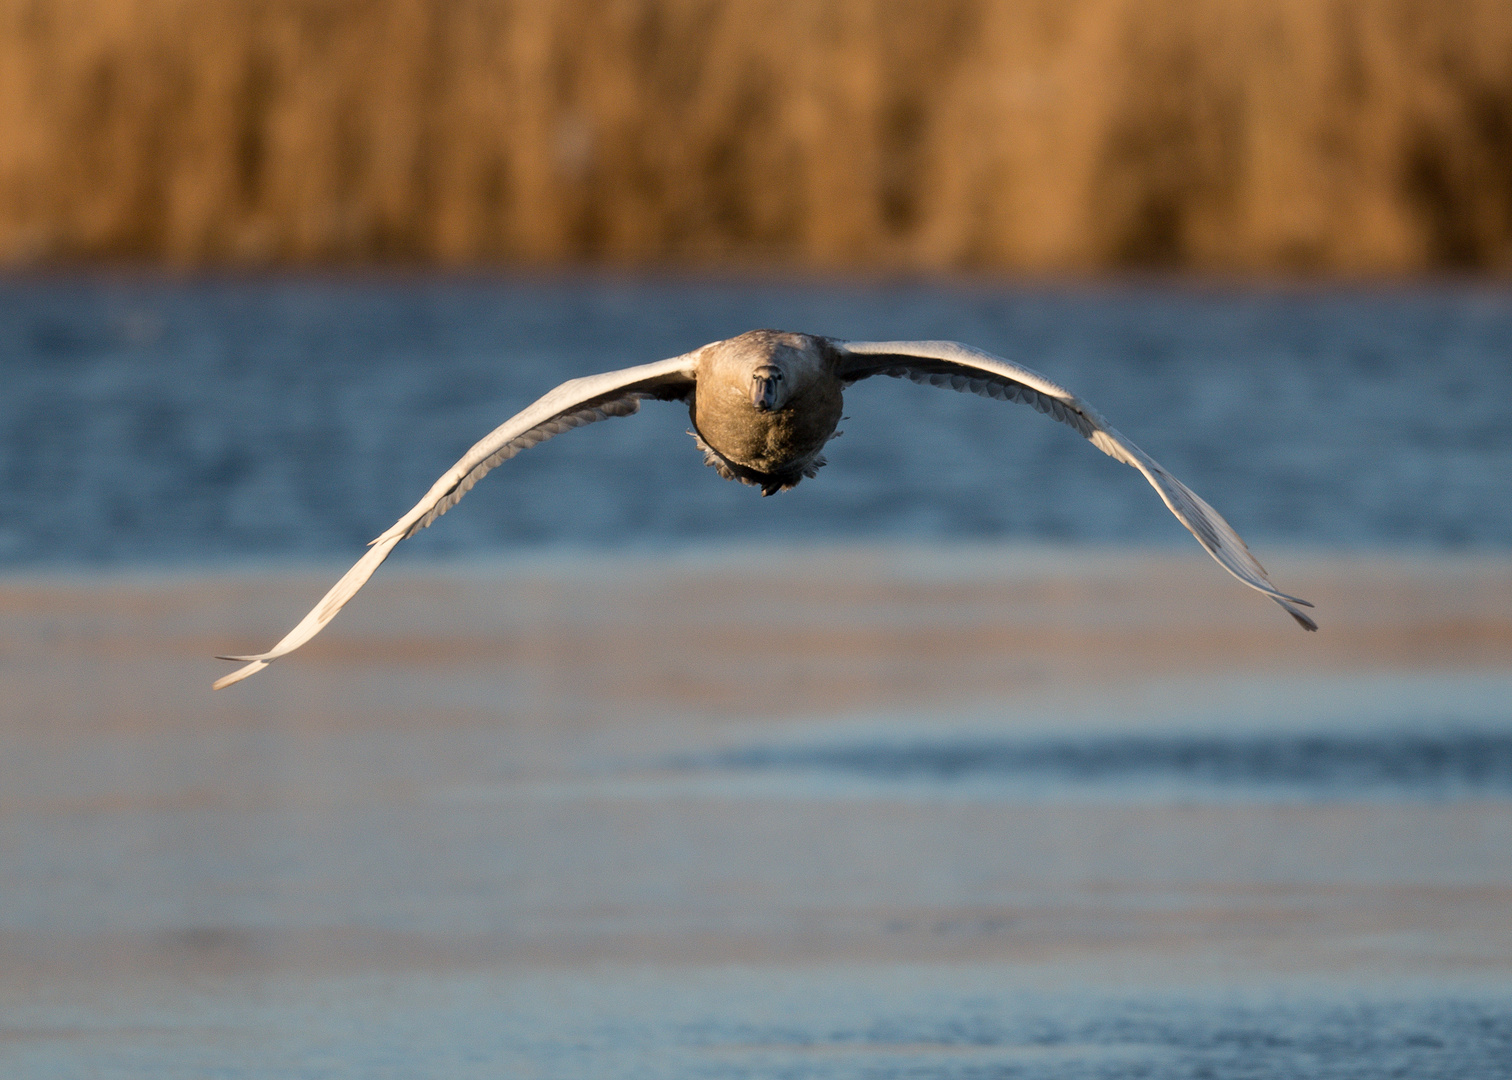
(814, 813)
(167, 420)
(880, 1023)
(1324, 764)
(547, 819)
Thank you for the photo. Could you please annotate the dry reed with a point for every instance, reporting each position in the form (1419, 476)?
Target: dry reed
(1354, 136)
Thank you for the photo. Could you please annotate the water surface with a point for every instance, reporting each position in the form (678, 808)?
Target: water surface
(165, 421)
(941, 786)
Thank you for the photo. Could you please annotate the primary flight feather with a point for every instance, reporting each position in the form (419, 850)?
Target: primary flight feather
(763, 405)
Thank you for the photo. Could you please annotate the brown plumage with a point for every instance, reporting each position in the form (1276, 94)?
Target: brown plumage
(763, 405)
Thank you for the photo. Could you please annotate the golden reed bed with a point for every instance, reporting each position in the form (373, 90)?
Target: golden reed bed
(1352, 136)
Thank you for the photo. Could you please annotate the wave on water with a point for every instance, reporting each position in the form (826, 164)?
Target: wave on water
(1443, 764)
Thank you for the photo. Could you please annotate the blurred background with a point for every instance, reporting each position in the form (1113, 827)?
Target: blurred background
(960, 760)
(1355, 137)
(273, 265)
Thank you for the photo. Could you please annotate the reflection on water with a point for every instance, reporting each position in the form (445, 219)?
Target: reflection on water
(284, 881)
(166, 420)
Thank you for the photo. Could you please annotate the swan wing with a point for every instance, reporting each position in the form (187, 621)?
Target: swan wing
(573, 404)
(961, 367)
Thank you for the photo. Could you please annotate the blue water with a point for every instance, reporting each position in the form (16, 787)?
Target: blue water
(310, 882)
(879, 1023)
(1434, 763)
(168, 421)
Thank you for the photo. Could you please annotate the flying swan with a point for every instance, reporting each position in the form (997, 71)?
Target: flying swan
(763, 405)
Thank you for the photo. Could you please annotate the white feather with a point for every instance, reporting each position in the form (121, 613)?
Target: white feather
(1019, 383)
(574, 403)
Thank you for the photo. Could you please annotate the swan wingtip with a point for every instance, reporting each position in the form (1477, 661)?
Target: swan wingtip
(239, 674)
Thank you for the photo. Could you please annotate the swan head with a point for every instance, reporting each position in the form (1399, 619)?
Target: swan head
(769, 369)
(769, 388)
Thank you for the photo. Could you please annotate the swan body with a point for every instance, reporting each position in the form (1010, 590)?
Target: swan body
(763, 405)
